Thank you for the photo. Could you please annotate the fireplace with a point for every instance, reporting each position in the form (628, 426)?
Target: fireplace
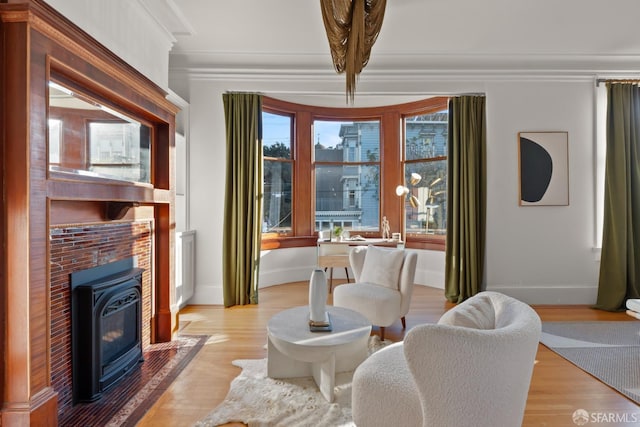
(106, 326)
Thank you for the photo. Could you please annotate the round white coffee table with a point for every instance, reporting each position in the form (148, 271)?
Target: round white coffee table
(294, 351)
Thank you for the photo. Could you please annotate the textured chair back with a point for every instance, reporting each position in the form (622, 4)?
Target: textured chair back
(407, 278)
(407, 274)
(474, 367)
(356, 259)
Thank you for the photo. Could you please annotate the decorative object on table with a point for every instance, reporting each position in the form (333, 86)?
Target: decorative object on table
(358, 238)
(396, 236)
(337, 231)
(318, 292)
(386, 229)
(544, 168)
(352, 27)
(324, 326)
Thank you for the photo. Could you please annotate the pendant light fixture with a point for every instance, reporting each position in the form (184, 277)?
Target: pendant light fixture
(352, 28)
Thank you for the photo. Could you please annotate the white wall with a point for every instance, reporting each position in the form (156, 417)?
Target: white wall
(296, 264)
(128, 29)
(541, 254)
(538, 254)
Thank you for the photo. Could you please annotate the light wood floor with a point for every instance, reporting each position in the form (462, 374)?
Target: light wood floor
(557, 389)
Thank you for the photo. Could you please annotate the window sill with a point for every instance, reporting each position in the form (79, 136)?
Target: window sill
(281, 242)
(79, 175)
(432, 244)
(274, 241)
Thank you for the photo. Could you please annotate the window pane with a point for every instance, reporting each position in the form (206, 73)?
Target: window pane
(349, 196)
(347, 141)
(429, 215)
(277, 197)
(425, 141)
(278, 186)
(426, 136)
(276, 135)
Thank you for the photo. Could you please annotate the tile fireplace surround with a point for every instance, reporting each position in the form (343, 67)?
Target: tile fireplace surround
(78, 247)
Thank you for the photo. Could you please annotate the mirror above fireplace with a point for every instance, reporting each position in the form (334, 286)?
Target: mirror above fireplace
(88, 138)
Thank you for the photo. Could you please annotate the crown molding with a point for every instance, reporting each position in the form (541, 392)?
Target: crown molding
(169, 17)
(417, 67)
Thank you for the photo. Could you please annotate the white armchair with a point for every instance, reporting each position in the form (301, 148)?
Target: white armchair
(383, 285)
(473, 368)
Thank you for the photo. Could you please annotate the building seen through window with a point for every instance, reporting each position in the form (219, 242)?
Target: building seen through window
(347, 175)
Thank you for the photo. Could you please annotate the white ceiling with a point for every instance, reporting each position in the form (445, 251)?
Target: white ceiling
(417, 35)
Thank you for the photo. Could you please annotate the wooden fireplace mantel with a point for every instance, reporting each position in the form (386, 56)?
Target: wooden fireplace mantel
(35, 42)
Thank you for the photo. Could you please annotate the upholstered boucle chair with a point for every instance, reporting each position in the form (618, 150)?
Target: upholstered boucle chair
(383, 285)
(471, 369)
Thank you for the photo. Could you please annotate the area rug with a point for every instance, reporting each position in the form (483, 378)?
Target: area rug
(609, 351)
(260, 401)
(126, 402)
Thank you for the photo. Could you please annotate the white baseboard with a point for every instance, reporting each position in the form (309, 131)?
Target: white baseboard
(550, 295)
(288, 275)
(431, 278)
(207, 294)
(535, 295)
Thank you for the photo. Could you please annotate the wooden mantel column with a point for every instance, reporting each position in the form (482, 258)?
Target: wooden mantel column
(27, 397)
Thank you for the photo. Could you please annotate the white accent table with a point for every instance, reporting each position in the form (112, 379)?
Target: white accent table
(335, 253)
(294, 351)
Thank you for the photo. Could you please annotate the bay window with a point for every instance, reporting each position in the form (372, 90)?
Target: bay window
(341, 166)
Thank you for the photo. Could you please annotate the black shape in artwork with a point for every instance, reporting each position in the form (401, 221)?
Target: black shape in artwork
(536, 168)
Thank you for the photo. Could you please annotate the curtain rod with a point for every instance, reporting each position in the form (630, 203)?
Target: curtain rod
(468, 94)
(598, 81)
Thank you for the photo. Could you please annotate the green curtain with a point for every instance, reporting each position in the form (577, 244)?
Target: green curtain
(619, 263)
(466, 198)
(243, 198)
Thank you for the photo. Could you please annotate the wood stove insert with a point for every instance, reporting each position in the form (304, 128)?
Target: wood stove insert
(106, 326)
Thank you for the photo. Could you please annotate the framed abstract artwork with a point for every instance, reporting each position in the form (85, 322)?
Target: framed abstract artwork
(543, 161)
